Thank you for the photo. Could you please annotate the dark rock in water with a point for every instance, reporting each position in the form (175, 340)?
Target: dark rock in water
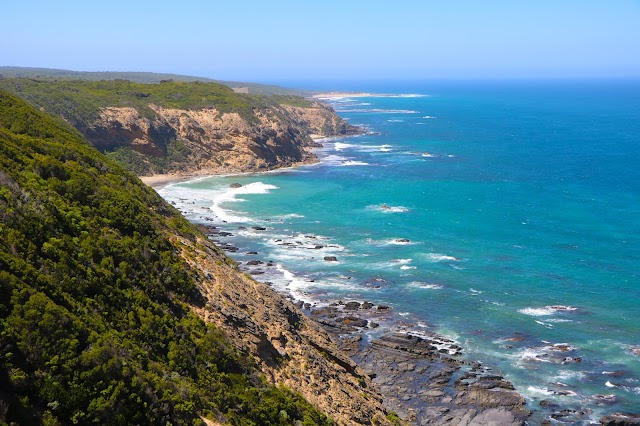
(331, 258)
(352, 306)
(251, 252)
(548, 403)
(383, 308)
(259, 228)
(235, 185)
(318, 247)
(402, 240)
(354, 321)
(242, 227)
(366, 305)
(621, 419)
(605, 399)
(617, 373)
(374, 325)
(255, 262)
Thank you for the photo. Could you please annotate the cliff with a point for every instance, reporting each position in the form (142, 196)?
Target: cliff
(116, 310)
(189, 128)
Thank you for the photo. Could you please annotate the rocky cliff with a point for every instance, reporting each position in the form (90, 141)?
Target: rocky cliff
(188, 128)
(290, 348)
(209, 141)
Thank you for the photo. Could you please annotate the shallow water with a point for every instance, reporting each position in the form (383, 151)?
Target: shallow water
(505, 215)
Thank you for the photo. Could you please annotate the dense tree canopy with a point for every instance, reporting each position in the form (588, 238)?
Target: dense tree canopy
(95, 323)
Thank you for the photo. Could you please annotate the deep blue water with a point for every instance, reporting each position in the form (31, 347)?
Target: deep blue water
(521, 204)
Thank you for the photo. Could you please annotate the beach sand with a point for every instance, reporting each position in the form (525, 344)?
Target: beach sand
(162, 180)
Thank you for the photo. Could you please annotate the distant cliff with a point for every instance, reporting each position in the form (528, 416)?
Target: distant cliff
(178, 127)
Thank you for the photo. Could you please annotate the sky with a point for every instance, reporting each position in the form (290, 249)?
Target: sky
(330, 40)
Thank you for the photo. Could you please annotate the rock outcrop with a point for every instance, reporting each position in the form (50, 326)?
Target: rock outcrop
(208, 141)
(290, 348)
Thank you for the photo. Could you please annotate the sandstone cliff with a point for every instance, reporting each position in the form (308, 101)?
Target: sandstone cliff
(208, 141)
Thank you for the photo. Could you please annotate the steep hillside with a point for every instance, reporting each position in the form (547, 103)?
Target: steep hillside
(185, 127)
(115, 310)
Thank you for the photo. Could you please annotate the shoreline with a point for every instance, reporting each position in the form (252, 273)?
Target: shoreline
(161, 180)
(380, 348)
(354, 341)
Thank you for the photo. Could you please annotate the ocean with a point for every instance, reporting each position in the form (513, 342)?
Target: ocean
(504, 215)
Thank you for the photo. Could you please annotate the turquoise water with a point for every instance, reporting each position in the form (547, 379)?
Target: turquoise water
(520, 202)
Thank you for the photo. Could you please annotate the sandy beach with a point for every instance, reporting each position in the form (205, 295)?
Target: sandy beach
(162, 180)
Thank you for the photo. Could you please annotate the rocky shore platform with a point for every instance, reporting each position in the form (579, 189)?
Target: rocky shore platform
(424, 378)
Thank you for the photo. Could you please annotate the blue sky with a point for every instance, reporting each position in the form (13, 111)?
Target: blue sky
(374, 39)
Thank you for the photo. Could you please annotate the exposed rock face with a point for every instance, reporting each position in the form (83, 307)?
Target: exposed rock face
(290, 348)
(211, 142)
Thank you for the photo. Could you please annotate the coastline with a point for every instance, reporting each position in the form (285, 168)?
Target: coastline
(461, 387)
(159, 181)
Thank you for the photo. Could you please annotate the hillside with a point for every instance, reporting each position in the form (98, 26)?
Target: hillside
(116, 310)
(141, 77)
(180, 127)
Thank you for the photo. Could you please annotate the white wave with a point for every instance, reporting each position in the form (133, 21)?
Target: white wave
(428, 155)
(380, 111)
(390, 242)
(547, 310)
(570, 375)
(543, 391)
(537, 312)
(339, 146)
(428, 116)
(354, 163)
(333, 160)
(405, 267)
(388, 209)
(289, 216)
(546, 391)
(533, 354)
(294, 283)
(395, 121)
(437, 257)
(426, 286)
(349, 97)
(230, 196)
(610, 385)
(544, 324)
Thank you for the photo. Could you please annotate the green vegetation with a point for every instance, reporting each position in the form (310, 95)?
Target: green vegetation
(95, 322)
(140, 77)
(140, 164)
(80, 101)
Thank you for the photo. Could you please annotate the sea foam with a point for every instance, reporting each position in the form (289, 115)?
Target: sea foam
(230, 196)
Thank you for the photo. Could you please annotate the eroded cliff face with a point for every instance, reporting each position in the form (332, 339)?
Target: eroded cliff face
(207, 141)
(290, 348)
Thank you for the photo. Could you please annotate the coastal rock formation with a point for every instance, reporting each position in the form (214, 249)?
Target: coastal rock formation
(208, 141)
(423, 379)
(290, 348)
